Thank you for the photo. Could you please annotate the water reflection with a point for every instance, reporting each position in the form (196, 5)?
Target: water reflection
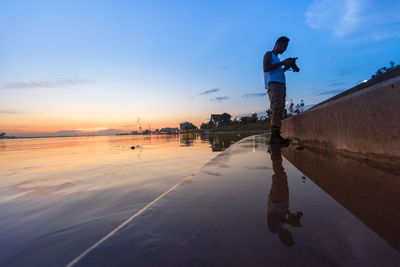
(221, 216)
(218, 142)
(59, 195)
(278, 201)
(369, 191)
(188, 139)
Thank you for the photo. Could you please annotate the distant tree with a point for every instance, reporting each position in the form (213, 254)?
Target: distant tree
(1, 134)
(291, 107)
(208, 125)
(297, 109)
(384, 69)
(253, 118)
(189, 126)
(269, 115)
(285, 113)
(226, 118)
(244, 120)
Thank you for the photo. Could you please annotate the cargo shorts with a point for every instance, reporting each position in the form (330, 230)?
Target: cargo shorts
(277, 95)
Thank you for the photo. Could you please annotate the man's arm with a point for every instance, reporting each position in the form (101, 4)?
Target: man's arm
(270, 67)
(267, 66)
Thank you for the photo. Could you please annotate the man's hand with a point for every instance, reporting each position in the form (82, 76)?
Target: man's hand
(288, 62)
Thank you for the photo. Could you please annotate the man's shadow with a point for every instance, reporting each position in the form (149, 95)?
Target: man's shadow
(278, 200)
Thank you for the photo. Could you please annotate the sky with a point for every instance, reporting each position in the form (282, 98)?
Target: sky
(91, 66)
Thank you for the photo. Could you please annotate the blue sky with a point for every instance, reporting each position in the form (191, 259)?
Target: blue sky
(102, 64)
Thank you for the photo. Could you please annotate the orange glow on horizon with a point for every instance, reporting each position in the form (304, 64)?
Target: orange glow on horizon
(33, 125)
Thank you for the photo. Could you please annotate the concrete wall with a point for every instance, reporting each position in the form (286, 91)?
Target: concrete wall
(363, 121)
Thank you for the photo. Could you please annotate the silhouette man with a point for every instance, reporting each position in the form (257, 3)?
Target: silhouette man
(278, 201)
(275, 83)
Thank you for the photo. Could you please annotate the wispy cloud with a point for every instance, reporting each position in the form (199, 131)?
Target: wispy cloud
(91, 129)
(331, 92)
(219, 99)
(210, 91)
(62, 82)
(9, 111)
(83, 131)
(346, 71)
(335, 83)
(254, 95)
(360, 19)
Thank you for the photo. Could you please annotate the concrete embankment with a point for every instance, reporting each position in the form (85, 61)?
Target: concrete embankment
(363, 121)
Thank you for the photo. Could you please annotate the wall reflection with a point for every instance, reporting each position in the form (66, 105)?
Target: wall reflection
(278, 201)
(370, 192)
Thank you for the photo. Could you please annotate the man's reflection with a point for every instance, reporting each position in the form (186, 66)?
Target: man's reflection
(278, 200)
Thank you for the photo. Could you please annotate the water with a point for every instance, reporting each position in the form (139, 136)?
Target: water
(255, 205)
(59, 195)
(248, 205)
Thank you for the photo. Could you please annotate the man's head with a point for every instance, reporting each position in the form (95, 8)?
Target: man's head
(281, 44)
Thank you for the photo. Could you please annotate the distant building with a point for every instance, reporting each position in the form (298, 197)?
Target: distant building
(186, 126)
(216, 118)
(169, 130)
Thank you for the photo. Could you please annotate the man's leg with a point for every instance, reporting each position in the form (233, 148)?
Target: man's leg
(277, 95)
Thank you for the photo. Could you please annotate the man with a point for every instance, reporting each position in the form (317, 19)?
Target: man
(275, 83)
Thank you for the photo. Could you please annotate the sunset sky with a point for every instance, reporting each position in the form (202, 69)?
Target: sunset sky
(98, 65)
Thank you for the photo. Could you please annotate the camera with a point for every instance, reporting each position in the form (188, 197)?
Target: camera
(293, 65)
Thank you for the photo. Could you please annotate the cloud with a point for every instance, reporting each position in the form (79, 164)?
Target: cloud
(44, 84)
(358, 19)
(109, 132)
(9, 111)
(349, 70)
(254, 95)
(219, 99)
(220, 68)
(335, 83)
(210, 91)
(85, 131)
(67, 132)
(92, 129)
(331, 92)
(224, 68)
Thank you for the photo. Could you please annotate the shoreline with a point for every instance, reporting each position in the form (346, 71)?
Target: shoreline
(199, 132)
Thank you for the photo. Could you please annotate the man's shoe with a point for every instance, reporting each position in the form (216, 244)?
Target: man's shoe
(276, 138)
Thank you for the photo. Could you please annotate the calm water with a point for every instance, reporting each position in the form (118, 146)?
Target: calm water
(250, 205)
(59, 195)
(255, 205)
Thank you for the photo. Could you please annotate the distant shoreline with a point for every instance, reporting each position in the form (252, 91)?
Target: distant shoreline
(199, 132)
